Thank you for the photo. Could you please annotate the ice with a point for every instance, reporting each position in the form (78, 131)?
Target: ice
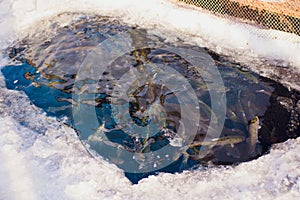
(247, 44)
(54, 165)
(42, 158)
(51, 163)
(6, 27)
(46, 165)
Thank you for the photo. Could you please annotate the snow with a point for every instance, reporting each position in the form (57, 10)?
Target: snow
(247, 44)
(42, 158)
(54, 165)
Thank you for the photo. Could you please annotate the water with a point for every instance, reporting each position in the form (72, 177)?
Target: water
(48, 73)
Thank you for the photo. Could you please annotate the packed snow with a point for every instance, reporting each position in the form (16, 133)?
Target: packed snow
(247, 44)
(42, 158)
(47, 161)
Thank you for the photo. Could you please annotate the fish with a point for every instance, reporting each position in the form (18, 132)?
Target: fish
(228, 140)
(210, 144)
(201, 154)
(252, 139)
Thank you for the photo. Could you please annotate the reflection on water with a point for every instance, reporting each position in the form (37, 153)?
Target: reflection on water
(48, 74)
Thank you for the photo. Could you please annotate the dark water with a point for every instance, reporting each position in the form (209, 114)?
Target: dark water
(48, 73)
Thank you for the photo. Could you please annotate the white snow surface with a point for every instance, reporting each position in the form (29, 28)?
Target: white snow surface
(41, 158)
(45, 160)
(247, 44)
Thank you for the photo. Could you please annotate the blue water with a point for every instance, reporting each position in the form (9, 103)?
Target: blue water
(49, 99)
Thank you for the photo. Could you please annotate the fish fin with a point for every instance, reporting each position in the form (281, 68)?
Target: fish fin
(259, 148)
(141, 166)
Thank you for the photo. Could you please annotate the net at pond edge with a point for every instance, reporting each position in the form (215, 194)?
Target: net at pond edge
(278, 15)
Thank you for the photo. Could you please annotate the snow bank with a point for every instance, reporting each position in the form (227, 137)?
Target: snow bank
(54, 165)
(245, 43)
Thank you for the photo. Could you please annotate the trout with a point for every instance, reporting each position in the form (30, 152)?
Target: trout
(253, 134)
(231, 140)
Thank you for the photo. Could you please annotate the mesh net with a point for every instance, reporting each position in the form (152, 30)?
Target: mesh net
(282, 15)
